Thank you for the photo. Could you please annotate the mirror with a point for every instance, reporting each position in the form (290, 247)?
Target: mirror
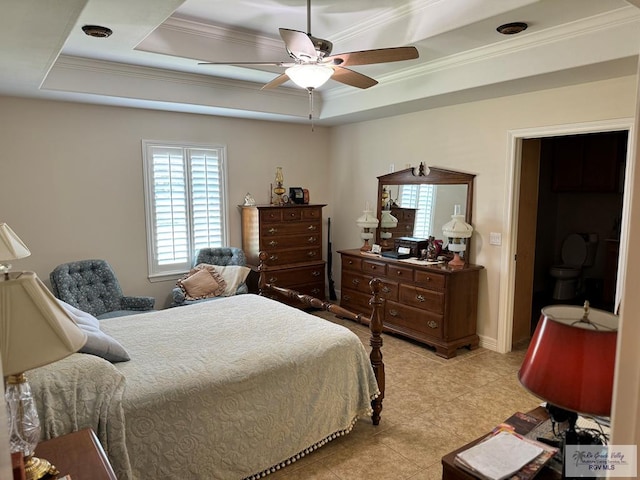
(422, 200)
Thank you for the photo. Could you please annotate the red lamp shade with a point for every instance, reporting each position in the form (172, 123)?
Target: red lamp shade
(571, 358)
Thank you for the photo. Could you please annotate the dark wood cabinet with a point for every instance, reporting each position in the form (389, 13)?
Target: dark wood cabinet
(292, 237)
(406, 221)
(587, 163)
(435, 305)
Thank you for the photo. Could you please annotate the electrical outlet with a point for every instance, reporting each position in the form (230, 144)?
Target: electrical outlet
(495, 238)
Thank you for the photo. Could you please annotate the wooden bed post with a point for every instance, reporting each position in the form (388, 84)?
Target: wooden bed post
(375, 323)
(375, 326)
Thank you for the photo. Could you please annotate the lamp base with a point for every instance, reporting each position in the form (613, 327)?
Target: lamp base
(36, 468)
(366, 247)
(456, 261)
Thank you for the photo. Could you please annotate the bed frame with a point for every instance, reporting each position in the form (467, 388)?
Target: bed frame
(375, 322)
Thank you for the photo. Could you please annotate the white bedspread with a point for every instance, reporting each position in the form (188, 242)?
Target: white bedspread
(226, 389)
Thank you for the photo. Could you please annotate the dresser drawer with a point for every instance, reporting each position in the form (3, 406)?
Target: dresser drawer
(291, 214)
(422, 298)
(355, 301)
(290, 241)
(430, 280)
(409, 319)
(374, 268)
(271, 230)
(271, 215)
(359, 282)
(295, 276)
(312, 213)
(400, 273)
(285, 257)
(351, 263)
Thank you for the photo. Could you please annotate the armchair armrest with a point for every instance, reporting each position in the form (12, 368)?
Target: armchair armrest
(178, 296)
(138, 303)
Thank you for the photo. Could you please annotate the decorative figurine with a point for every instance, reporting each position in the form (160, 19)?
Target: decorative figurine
(249, 201)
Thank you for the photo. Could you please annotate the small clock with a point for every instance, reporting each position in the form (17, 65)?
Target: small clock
(296, 194)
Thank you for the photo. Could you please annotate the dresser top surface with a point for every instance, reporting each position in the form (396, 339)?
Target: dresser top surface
(412, 263)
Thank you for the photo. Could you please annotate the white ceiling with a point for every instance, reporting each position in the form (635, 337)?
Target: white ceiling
(151, 60)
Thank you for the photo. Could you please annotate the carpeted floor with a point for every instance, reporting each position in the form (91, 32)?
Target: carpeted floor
(431, 407)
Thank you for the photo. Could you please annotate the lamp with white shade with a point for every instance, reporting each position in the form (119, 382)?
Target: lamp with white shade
(11, 248)
(457, 231)
(367, 222)
(34, 331)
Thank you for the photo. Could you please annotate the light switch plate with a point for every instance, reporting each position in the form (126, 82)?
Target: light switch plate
(495, 238)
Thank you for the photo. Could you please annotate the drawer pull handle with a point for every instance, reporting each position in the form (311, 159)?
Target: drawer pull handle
(373, 267)
(312, 253)
(315, 273)
(427, 279)
(398, 273)
(346, 298)
(273, 243)
(273, 257)
(315, 292)
(393, 313)
(420, 298)
(432, 324)
(273, 230)
(312, 228)
(313, 239)
(355, 281)
(273, 279)
(386, 289)
(292, 214)
(350, 262)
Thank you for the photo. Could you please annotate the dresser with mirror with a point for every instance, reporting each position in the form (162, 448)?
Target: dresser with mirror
(429, 302)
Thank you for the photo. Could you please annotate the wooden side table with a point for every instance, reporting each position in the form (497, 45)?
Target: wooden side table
(78, 454)
(450, 471)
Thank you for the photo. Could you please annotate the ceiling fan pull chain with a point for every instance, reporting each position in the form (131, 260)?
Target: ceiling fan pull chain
(311, 107)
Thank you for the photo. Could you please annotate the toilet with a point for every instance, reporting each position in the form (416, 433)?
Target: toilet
(578, 251)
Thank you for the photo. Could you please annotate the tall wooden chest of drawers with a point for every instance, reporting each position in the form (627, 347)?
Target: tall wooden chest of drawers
(435, 304)
(292, 237)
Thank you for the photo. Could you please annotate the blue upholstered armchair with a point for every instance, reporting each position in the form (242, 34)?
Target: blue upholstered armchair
(221, 256)
(92, 286)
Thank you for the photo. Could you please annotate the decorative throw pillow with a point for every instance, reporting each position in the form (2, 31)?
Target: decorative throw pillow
(98, 342)
(201, 282)
(234, 275)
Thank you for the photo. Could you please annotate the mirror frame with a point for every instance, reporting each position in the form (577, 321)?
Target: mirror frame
(427, 175)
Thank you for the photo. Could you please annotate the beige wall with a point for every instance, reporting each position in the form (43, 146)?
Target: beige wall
(72, 185)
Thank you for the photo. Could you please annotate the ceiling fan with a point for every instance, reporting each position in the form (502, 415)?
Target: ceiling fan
(313, 63)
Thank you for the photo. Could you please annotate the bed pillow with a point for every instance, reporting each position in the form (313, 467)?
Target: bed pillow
(233, 275)
(98, 343)
(202, 281)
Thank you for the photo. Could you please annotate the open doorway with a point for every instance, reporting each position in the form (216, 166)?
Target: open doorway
(571, 190)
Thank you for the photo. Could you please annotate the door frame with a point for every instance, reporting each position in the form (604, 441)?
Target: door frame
(512, 192)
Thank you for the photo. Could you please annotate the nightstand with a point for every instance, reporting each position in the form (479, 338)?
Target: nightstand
(78, 454)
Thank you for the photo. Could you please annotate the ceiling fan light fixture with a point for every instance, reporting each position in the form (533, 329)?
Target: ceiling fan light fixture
(309, 75)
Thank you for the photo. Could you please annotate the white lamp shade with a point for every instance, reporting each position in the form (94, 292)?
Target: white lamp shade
(367, 220)
(309, 75)
(11, 247)
(387, 220)
(34, 328)
(457, 227)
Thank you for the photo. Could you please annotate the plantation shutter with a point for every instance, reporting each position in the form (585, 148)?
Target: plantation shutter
(185, 204)
(420, 197)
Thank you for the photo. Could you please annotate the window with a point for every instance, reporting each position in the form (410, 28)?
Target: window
(185, 203)
(421, 197)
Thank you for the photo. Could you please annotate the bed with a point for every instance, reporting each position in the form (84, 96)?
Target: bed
(231, 389)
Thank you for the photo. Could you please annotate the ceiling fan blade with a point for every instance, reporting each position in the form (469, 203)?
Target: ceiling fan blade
(368, 57)
(276, 82)
(355, 79)
(266, 64)
(298, 44)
